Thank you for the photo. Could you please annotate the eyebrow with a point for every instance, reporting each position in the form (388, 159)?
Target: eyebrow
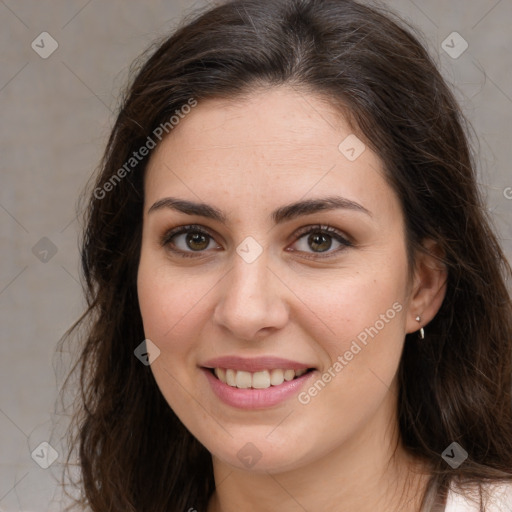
(280, 215)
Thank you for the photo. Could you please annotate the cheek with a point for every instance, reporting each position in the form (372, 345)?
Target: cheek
(170, 309)
(169, 303)
(358, 306)
(361, 332)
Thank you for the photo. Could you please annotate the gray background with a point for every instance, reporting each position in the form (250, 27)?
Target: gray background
(55, 116)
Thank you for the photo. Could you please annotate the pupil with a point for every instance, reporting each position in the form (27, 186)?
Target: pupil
(321, 241)
(197, 238)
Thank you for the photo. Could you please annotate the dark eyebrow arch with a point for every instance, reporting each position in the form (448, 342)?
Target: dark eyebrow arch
(282, 214)
(310, 206)
(190, 208)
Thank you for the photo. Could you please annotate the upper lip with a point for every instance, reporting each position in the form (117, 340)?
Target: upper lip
(254, 364)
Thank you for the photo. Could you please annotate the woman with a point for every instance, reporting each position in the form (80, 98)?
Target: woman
(296, 301)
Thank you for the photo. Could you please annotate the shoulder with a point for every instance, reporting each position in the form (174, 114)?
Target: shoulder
(497, 498)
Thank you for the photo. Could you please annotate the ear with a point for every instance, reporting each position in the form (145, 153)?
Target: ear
(428, 287)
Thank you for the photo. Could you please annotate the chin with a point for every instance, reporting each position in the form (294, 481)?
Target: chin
(259, 455)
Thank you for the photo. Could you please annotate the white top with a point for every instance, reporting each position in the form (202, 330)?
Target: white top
(500, 500)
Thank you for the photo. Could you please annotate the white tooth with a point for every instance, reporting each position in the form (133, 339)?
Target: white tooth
(261, 380)
(221, 374)
(231, 377)
(289, 374)
(276, 377)
(243, 379)
(258, 380)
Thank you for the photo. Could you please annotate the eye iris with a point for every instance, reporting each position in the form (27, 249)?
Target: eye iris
(197, 239)
(321, 241)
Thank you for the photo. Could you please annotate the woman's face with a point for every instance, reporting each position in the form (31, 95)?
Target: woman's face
(270, 277)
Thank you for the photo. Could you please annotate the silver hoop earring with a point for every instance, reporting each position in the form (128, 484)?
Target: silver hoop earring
(422, 331)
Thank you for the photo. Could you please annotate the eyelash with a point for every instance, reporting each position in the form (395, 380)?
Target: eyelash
(166, 240)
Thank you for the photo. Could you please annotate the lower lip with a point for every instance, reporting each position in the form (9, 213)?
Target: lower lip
(256, 398)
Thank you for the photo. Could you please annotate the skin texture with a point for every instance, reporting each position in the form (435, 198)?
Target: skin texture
(248, 157)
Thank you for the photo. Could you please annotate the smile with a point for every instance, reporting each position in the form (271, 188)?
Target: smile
(256, 380)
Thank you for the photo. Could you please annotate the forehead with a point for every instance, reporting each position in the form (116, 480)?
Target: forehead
(274, 145)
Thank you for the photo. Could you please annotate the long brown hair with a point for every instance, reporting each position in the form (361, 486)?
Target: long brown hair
(134, 453)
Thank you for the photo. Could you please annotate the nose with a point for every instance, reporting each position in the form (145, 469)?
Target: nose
(252, 300)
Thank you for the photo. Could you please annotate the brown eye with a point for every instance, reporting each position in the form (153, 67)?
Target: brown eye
(320, 239)
(320, 242)
(197, 241)
(187, 240)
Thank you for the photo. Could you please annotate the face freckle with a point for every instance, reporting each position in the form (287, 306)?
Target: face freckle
(275, 296)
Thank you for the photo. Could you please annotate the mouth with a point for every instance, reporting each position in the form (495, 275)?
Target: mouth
(262, 379)
(256, 383)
